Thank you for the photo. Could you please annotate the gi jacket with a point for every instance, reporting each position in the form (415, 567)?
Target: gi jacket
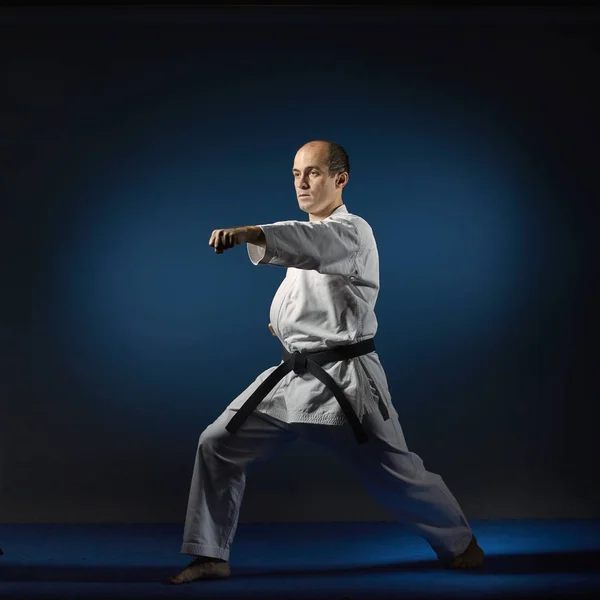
(327, 299)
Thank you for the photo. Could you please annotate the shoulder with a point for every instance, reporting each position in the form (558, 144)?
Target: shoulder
(362, 227)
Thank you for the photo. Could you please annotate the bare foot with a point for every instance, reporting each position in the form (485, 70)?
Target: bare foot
(203, 567)
(471, 558)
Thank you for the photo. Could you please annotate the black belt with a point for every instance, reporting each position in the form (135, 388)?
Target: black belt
(302, 362)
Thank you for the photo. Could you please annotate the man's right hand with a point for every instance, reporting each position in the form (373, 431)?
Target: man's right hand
(224, 239)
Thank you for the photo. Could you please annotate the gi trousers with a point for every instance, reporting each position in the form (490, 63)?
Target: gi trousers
(396, 477)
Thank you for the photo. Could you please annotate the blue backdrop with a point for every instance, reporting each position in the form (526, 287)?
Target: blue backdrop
(128, 139)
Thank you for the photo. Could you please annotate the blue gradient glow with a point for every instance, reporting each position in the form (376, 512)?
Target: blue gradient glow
(145, 306)
(128, 139)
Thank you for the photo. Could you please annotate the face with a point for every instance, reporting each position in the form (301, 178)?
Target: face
(316, 190)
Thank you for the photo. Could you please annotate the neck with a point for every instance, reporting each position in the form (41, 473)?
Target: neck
(323, 214)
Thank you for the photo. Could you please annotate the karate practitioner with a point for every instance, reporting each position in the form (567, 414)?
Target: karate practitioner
(330, 386)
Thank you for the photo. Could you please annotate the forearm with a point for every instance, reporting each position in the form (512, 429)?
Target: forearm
(253, 234)
(224, 239)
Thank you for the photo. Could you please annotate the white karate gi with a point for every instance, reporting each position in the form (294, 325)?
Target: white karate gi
(327, 299)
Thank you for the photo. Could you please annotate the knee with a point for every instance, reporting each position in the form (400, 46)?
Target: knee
(214, 441)
(212, 437)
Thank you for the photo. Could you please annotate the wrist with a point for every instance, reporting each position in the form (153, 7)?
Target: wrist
(253, 235)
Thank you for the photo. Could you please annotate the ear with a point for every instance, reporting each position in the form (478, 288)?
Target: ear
(341, 179)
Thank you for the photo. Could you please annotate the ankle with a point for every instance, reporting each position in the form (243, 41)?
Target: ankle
(203, 559)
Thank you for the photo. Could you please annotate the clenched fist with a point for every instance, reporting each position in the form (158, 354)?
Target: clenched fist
(224, 239)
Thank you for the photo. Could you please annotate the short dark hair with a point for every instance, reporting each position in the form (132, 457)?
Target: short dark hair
(337, 160)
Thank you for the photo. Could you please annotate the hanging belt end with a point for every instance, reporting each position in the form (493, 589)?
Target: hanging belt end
(233, 425)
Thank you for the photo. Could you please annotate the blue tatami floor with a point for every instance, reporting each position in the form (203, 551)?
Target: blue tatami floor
(328, 561)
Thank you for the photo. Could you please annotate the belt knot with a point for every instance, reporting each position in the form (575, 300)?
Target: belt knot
(299, 363)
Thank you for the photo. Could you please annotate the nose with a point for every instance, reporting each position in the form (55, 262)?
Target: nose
(302, 183)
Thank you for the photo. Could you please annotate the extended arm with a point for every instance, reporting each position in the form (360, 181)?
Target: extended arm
(224, 239)
(328, 247)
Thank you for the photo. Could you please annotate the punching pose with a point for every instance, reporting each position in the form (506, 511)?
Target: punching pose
(329, 387)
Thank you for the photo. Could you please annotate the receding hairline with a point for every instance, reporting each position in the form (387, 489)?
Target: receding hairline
(315, 144)
(312, 145)
(330, 153)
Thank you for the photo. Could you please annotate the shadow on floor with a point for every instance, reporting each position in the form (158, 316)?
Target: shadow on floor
(515, 564)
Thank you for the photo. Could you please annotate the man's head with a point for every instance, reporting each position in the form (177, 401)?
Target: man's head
(321, 170)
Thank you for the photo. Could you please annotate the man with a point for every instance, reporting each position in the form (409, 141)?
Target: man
(330, 387)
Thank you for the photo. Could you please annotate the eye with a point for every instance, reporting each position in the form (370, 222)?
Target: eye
(315, 173)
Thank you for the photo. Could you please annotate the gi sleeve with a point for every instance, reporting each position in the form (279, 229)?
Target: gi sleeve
(329, 247)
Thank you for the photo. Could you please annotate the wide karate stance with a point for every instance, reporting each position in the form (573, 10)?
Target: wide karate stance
(330, 386)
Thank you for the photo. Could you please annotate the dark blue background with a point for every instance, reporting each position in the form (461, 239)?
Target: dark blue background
(127, 137)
